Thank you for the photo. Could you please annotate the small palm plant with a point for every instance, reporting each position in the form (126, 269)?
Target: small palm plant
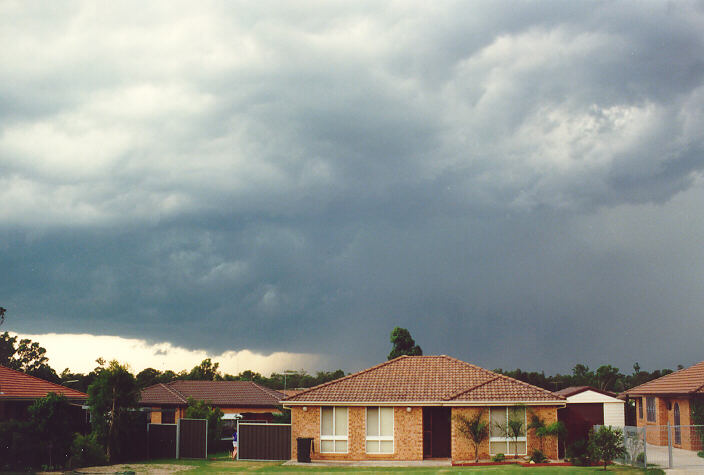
(515, 429)
(473, 429)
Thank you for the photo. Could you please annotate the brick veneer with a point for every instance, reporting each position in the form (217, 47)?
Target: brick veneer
(408, 434)
(463, 449)
(656, 432)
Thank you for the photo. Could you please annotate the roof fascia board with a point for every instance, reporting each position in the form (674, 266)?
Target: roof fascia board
(288, 404)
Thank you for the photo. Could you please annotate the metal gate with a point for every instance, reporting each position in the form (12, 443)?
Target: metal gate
(162, 441)
(188, 438)
(192, 438)
(664, 447)
(259, 441)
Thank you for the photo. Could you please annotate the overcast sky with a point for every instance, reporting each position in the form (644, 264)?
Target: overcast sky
(520, 184)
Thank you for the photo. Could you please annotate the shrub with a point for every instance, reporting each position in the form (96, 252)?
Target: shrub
(86, 452)
(700, 454)
(607, 443)
(580, 453)
(538, 456)
(498, 458)
(641, 457)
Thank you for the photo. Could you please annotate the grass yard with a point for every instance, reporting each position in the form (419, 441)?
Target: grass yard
(221, 463)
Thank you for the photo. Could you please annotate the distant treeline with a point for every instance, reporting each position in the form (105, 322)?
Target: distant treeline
(30, 357)
(606, 377)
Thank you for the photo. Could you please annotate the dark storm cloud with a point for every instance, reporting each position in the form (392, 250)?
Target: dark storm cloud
(305, 177)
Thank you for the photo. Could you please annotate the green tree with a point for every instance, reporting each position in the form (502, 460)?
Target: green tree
(403, 344)
(113, 392)
(53, 423)
(607, 443)
(474, 429)
(203, 410)
(205, 371)
(26, 356)
(148, 377)
(538, 425)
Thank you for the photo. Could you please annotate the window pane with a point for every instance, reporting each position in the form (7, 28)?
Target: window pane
(521, 448)
(340, 446)
(326, 421)
(327, 446)
(340, 421)
(372, 421)
(518, 414)
(498, 418)
(372, 446)
(387, 421)
(497, 448)
(387, 446)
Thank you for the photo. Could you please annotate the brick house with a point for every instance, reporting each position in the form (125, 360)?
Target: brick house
(18, 391)
(403, 409)
(169, 401)
(669, 399)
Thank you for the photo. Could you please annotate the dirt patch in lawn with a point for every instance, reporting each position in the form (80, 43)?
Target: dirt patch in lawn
(136, 468)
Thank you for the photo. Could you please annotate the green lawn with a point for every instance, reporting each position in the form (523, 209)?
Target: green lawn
(221, 463)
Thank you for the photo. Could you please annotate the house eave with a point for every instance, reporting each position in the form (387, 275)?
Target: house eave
(288, 404)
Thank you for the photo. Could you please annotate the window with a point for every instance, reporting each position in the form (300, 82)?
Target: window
(500, 439)
(168, 416)
(639, 401)
(650, 408)
(333, 430)
(380, 430)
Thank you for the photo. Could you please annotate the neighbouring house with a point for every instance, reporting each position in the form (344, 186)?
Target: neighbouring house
(18, 391)
(243, 400)
(404, 409)
(670, 400)
(587, 407)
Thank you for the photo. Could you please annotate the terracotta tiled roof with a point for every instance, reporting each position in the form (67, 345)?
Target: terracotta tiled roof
(17, 385)
(436, 379)
(218, 393)
(685, 381)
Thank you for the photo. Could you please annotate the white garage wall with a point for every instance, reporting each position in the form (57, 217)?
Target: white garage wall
(614, 414)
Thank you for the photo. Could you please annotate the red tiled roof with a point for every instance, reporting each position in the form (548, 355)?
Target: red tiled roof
(217, 393)
(436, 379)
(17, 385)
(685, 381)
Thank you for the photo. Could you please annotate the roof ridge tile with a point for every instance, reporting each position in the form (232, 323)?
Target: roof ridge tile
(175, 392)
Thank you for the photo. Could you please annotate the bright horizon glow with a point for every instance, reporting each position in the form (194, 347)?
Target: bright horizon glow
(78, 352)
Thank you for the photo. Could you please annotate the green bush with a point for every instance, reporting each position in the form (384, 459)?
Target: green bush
(700, 453)
(498, 458)
(580, 453)
(538, 456)
(86, 452)
(641, 457)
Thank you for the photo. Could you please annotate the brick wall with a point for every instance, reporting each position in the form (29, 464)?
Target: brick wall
(463, 449)
(408, 434)
(657, 432)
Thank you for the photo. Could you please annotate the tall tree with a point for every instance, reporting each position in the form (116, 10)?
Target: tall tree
(2, 314)
(205, 371)
(27, 356)
(403, 344)
(113, 392)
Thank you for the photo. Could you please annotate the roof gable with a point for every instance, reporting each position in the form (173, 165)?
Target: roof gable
(217, 393)
(685, 381)
(429, 379)
(587, 394)
(17, 385)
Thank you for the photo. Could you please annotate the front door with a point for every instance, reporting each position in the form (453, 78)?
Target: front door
(436, 432)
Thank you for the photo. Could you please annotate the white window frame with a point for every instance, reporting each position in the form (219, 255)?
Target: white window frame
(380, 438)
(334, 437)
(508, 440)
